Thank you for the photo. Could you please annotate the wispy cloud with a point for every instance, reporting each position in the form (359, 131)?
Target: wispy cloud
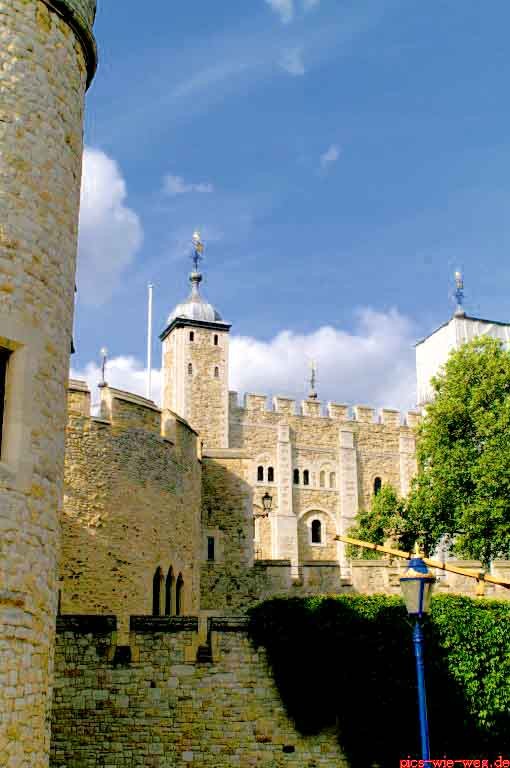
(292, 61)
(373, 365)
(309, 5)
(110, 234)
(329, 157)
(176, 185)
(284, 8)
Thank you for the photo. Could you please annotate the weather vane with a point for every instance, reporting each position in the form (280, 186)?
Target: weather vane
(459, 293)
(198, 249)
(313, 393)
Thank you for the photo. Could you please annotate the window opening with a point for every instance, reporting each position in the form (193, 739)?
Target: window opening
(4, 359)
(296, 477)
(156, 592)
(179, 595)
(169, 586)
(306, 477)
(332, 480)
(377, 485)
(192, 336)
(270, 475)
(260, 474)
(190, 369)
(210, 547)
(216, 373)
(215, 339)
(322, 479)
(316, 532)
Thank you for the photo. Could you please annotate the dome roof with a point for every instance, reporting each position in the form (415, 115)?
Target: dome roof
(195, 307)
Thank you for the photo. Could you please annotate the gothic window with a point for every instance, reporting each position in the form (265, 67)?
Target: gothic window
(332, 480)
(210, 548)
(377, 485)
(216, 373)
(270, 475)
(4, 358)
(316, 532)
(215, 339)
(191, 336)
(260, 474)
(322, 479)
(306, 477)
(157, 583)
(169, 587)
(190, 369)
(179, 595)
(296, 477)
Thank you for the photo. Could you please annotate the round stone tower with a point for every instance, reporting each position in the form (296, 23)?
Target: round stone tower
(47, 60)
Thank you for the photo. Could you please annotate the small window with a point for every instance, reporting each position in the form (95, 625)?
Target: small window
(332, 480)
(179, 595)
(306, 477)
(156, 592)
(210, 548)
(296, 477)
(190, 369)
(216, 373)
(169, 588)
(215, 339)
(377, 485)
(4, 358)
(322, 479)
(191, 336)
(316, 532)
(260, 474)
(270, 475)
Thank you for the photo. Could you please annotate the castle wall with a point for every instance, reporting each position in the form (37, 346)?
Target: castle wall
(46, 59)
(164, 709)
(131, 505)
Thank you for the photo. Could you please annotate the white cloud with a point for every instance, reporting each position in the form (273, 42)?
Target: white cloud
(175, 185)
(292, 62)
(123, 372)
(329, 157)
(373, 365)
(284, 8)
(110, 233)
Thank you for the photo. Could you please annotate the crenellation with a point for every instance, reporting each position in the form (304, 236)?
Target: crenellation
(255, 403)
(390, 417)
(413, 419)
(364, 414)
(284, 405)
(78, 398)
(339, 412)
(311, 408)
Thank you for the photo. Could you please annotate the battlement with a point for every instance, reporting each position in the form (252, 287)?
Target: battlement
(129, 411)
(255, 403)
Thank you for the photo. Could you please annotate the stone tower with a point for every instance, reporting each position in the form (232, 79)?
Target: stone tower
(47, 60)
(195, 364)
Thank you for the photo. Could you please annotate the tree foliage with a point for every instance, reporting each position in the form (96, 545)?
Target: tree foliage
(384, 520)
(462, 489)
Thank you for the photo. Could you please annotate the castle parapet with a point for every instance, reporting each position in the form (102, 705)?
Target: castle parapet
(256, 403)
(78, 398)
(233, 400)
(286, 405)
(339, 412)
(311, 407)
(390, 417)
(413, 419)
(127, 410)
(364, 414)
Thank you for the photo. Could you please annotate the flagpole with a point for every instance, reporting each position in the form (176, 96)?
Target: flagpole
(149, 344)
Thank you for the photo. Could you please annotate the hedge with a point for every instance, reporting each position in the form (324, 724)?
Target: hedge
(348, 661)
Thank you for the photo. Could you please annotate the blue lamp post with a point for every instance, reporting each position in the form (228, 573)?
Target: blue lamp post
(416, 586)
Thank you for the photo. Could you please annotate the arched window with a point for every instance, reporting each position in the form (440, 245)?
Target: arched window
(296, 477)
(260, 474)
(169, 588)
(190, 369)
(179, 595)
(157, 583)
(270, 475)
(332, 480)
(306, 477)
(316, 532)
(377, 485)
(216, 373)
(191, 336)
(322, 479)
(215, 339)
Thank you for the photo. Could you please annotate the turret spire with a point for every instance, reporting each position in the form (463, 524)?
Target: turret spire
(459, 294)
(196, 277)
(313, 393)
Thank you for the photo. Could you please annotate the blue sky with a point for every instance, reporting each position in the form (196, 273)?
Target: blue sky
(341, 159)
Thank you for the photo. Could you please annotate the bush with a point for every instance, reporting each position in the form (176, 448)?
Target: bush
(348, 660)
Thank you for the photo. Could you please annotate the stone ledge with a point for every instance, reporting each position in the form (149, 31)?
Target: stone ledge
(228, 623)
(86, 624)
(271, 563)
(151, 624)
(321, 564)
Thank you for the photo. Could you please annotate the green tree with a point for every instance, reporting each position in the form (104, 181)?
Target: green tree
(462, 489)
(384, 520)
